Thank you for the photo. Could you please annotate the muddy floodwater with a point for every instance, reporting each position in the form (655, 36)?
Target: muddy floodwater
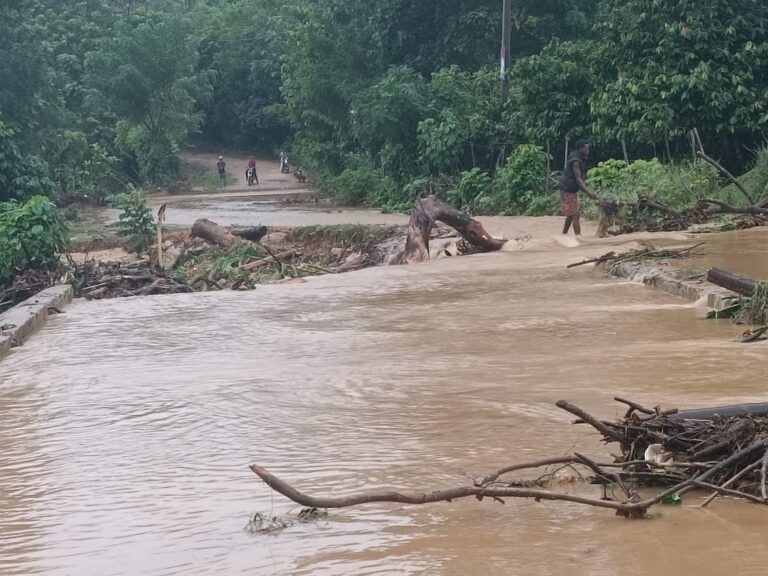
(128, 425)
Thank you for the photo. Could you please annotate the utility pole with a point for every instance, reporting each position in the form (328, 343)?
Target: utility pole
(506, 32)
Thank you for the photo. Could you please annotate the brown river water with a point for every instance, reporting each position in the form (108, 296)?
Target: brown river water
(128, 425)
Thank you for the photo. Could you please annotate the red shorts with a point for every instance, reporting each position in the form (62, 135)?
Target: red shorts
(569, 203)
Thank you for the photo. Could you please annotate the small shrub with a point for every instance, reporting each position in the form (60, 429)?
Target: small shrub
(135, 222)
(363, 185)
(522, 179)
(474, 184)
(545, 205)
(32, 235)
(606, 175)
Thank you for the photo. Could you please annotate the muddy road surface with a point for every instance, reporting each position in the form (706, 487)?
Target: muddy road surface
(128, 425)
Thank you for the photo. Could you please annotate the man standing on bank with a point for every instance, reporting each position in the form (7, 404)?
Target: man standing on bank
(221, 166)
(571, 182)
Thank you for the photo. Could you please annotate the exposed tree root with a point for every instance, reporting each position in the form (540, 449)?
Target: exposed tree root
(427, 211)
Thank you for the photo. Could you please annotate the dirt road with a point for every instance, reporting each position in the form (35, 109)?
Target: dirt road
(271, 181)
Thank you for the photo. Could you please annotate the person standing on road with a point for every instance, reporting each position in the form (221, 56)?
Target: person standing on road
(221, 166)
(571, 182)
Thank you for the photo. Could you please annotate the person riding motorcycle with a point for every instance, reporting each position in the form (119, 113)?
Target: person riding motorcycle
(250, 173)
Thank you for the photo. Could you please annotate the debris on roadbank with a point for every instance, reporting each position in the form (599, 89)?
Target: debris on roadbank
(26, 285)
(214, 257)
(752, 307)
(230, 261)
(95, 280)
(722, 451)
(647, 251)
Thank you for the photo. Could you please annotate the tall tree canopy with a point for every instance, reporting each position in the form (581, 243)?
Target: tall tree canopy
(94, 93)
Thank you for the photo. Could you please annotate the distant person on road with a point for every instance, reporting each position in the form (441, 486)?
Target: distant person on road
(250, 173)
(221, 166)
(571, 182)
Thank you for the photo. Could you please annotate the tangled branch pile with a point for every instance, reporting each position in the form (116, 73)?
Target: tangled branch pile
(26, 285)
(95, 280)
(724, 451)
(721, 449)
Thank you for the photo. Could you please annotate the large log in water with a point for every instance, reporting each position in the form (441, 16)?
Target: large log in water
(737, 410)
(427, 211)
(212, 233)
(220, 236)
(739, 284)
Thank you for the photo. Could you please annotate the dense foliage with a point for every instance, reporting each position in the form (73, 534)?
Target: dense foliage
(384, 100)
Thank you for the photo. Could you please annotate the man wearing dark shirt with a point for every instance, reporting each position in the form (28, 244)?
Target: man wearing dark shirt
(221, 166)
(571, 182)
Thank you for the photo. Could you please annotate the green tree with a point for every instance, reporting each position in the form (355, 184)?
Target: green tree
(325, 64)
(551, 91)
(667, 67)
(147, 74)
(21, 175)
(385, 117)
(244, 44)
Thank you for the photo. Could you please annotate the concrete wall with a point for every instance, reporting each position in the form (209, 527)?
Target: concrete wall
(677, 282)
(26, 318)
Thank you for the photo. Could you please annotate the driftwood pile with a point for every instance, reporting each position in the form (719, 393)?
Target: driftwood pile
(26, 285)
(722, 451)
(651, 215)
(96, 280)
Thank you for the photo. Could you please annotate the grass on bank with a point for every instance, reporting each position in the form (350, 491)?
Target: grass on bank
(362, 236)
(210, 180)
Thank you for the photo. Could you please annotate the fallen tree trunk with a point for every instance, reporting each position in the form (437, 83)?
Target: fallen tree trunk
(225, 237)
(213, 233)
(721, 207)
(740, 410)
(427, 211)
(739, 284)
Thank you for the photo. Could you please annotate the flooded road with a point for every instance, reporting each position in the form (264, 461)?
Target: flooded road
(128, 425)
